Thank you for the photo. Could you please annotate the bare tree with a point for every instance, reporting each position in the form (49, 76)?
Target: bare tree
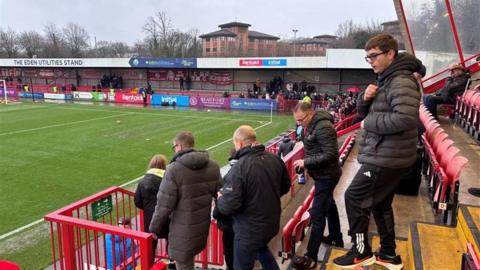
(165, 41)
(158, 29)
(110, 49)
(54, 43)
(120, 49)
(31, 42)
(351, 35)
(9, 43)
(76, 38)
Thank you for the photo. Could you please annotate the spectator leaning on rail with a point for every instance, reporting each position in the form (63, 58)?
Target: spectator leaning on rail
(388, 148)
(251, 194)
(146, 194)
(321, 161)
(185, 195)
(454, 86)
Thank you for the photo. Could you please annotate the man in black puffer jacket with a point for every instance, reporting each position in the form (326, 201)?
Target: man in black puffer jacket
(387, 150)
(321, 161)
(185, 196)
(251, 194)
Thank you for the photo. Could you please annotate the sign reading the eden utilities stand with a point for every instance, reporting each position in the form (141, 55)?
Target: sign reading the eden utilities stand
(102, 207)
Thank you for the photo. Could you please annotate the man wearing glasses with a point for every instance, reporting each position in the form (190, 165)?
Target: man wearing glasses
(321, 161)
(190, 182)
(389, 109)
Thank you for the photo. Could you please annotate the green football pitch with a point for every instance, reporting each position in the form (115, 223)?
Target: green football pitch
(55, 154)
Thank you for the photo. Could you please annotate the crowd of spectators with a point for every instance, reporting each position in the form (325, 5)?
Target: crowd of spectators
(112, 81)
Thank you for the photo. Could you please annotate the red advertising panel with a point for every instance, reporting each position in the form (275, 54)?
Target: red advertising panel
(251, 62)
(130, 98)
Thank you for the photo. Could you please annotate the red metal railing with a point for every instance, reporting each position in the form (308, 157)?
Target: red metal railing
(79, 237)
(79, 242)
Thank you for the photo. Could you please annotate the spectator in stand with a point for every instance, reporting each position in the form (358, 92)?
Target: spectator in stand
(251, 194)
(149, 89)
(321, 162)
(181, 80)
(188, 81)
(185, 196)
(388, 148)
(146, 194)
(120, 246)
(285, 146)
(241, 95)
(454, 86)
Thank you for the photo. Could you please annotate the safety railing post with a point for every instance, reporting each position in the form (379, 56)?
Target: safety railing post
(68, 244)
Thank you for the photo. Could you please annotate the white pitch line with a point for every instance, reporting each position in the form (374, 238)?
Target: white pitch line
(61, 125)
(123, 185)
(166, 114)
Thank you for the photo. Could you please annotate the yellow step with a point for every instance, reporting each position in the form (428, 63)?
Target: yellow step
(435, 247)
(335, 252)
(469, 223)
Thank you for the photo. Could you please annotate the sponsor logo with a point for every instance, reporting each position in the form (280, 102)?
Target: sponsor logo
(367, 174)
(193, 101)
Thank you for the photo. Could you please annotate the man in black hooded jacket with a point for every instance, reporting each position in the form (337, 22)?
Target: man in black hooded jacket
(251, 195)
(321, 161)
(388, 148)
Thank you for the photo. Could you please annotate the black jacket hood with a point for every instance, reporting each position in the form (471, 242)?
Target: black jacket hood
(404, 63)
(321, 115)
(192, 159)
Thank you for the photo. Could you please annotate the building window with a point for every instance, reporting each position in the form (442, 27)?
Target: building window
(214, 49)
(207, 50)
(251, 39)
(207, 39)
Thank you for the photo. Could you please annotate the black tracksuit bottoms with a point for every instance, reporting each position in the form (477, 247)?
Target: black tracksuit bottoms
(372, 191)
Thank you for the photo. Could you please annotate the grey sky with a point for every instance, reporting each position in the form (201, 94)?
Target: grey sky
(122, 20)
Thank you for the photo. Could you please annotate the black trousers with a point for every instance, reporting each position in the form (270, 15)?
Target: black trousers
(372, 191)
(323, 208)
(228, 241)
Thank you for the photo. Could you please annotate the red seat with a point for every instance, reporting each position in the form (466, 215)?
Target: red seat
(438, 140)
(287, 247)
(6, 265)
(447, 154)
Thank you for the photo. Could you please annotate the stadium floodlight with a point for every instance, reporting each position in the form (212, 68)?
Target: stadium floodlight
(294, 39)
(4, 84)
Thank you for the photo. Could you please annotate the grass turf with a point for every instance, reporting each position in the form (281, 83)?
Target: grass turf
(55, 154)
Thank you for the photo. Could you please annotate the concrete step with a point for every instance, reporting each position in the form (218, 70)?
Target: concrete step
(334, 252)
(469, 222)
(432, 246)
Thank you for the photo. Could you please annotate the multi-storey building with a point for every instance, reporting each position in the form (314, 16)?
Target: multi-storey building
(235, 39)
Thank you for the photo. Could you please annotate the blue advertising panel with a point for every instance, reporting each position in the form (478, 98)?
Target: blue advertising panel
(29, 95)
(252, 104)
(281, 62)
(68, 97)
(179, 100)
(163, 62)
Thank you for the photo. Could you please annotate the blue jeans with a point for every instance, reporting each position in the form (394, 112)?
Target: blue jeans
(323, 207)
(245, 255)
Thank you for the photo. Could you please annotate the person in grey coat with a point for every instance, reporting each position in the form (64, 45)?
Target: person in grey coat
(190, 183)
(388, 148)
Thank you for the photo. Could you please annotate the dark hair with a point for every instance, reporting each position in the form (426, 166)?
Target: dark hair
(124, 221)
(384, 42)
(185, 139)
(303, 106)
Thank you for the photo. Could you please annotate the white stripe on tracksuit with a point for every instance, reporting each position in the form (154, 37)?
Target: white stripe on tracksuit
(360, 243)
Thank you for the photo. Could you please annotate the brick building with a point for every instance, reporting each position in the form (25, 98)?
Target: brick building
(235, 39)
(315, 46)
